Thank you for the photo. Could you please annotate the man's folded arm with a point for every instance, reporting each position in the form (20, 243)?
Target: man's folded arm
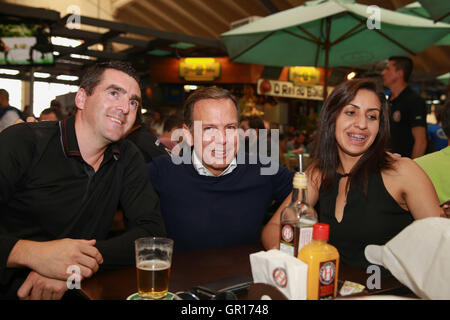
(142, 218)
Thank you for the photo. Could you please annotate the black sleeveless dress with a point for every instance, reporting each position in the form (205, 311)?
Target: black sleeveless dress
(372, 220)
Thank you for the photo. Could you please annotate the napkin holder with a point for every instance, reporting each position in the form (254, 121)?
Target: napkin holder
(284, 272)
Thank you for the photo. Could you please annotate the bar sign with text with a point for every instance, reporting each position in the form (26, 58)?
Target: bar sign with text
(287, 89)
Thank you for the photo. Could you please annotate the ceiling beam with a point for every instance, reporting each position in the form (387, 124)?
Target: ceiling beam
(120, 4)
(81, 49)
(27, 77)
(61, 31)
(134, 12)
(270, 6)
(175, 7)
(236, 7)
(214, 15)
(65, 51)
(295, 3)
(152, 44)
(9, 9)
(147, 5)
(172, 36)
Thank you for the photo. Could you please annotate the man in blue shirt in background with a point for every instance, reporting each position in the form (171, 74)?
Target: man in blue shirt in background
(436, 134)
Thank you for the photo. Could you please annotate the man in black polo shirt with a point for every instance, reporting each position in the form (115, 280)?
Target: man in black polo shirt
(61, 183)
(408, 110)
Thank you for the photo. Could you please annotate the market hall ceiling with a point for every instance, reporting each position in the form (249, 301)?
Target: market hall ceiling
(177, 28)
(210, 18)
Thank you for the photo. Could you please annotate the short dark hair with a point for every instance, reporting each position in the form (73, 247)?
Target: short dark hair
(51, 110)
(215, 93)
(172, 122)
(93, 75)
(403, 63)
(4, 93)
(325, 148)
(55, 104)
(255, 122)
(445, 118)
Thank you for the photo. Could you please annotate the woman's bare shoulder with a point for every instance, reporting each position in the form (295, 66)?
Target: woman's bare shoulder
(402, 166)
(405, 173)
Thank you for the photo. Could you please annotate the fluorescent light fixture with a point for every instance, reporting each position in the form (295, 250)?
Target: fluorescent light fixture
(79, 56)
(11, 72)
(351, 75)
(66, 42)
(66, 77)
(188, 88)
(41, 75)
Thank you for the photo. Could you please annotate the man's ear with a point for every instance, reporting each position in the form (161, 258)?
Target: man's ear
(400, 73)
(80, 98)
(188, 138)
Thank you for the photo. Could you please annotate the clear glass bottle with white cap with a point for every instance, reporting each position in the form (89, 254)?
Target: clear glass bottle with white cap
(297, 218)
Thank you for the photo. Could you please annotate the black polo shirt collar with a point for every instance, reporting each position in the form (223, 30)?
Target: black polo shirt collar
(70, 146)
(405, 93)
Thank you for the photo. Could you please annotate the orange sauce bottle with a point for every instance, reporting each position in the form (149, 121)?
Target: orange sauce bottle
(323, 264)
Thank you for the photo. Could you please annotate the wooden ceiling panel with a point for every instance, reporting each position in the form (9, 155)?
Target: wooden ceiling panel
(435, 59)
(210, 18)
(139, 17)
(156, 11)
(206, 13)
(229, 10)
(250, 7)
(201, 28)
(390, 4)
(287, 4)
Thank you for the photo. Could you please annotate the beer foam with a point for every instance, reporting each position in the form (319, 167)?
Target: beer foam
(154, 265)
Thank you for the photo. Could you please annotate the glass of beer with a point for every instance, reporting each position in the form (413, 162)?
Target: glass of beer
(153, 262)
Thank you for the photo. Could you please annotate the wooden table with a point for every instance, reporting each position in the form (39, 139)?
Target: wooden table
(198, 267)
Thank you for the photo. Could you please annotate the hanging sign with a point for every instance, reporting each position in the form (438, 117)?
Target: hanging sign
(304, 75)
(287, 89)
(199, 69)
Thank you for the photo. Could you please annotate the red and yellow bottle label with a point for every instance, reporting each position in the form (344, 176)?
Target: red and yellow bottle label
(289, 239)
(327, 276)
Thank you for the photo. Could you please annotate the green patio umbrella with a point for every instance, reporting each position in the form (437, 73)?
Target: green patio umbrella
(444, 78)
(330, 33)
(416, 9)
(439, 10)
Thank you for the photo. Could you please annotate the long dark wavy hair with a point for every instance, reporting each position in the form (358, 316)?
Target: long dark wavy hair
(325, 148)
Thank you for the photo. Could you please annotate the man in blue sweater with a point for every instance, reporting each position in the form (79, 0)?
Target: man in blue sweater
(214, 197)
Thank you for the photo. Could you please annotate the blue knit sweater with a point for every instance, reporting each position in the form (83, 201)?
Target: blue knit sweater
(203, 212)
